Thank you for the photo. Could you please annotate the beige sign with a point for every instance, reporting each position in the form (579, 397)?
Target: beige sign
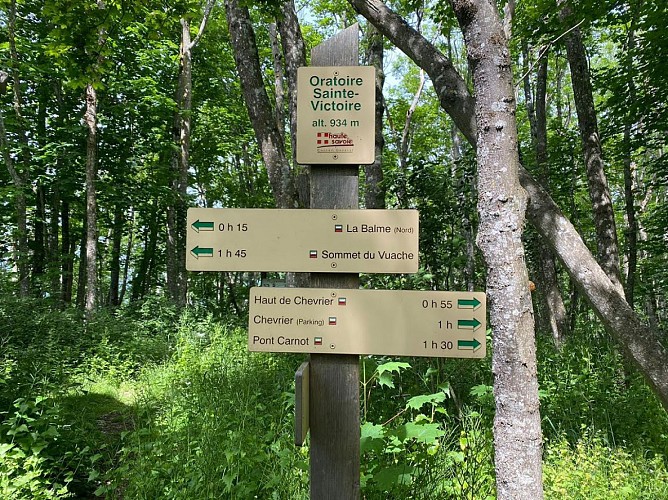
(339, 241)
(386, 322)
(335, 115)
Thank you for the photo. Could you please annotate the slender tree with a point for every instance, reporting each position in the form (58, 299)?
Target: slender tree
(181, 136)
(258, 104)
(599, 192)
(501, 205)
(640, 343)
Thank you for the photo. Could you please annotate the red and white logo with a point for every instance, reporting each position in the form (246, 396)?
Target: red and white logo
(334, 142)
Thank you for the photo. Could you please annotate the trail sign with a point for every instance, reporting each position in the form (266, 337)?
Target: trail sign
(389, 322)
(335, 115)
(339, 241)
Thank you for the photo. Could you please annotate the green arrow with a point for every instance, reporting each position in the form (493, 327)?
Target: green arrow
(468, 324)
(202, 226)
(202, 252)
(472, 345)
(468, 303)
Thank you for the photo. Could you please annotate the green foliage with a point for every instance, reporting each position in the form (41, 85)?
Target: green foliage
(213, 423)
(415, 453)
(591, 470)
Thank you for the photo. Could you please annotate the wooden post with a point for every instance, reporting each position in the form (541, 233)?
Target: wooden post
(334, 379)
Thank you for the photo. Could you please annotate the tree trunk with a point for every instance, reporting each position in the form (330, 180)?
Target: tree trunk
(67, 254)
(54, 254)
(279, 80)
(644, 349)
(90, 117)
(599, 193)
(629, 198)
(19, 177)
(294, 54)
(177, 280)
(180, 158)
(258, 104)
(501, 206)
(141, 280)
(547, 282)
(128, 255)
(374, 188)
(80, 300)
(115, 263)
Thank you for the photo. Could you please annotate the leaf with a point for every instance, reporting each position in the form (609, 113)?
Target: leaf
(386, 369)
(392, 366)
(371, 437)
(481, 390)
(422, 433)
(417, 402)
(397, 475)
(385, 379)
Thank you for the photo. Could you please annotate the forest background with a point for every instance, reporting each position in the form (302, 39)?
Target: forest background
(124, 376)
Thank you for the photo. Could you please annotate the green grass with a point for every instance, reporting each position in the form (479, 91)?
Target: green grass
(146, 404)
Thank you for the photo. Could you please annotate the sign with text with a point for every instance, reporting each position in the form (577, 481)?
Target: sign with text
(385, 322)
(335, 115)
(338, 241)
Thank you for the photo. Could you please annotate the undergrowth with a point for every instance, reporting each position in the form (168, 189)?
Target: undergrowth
(148, 403)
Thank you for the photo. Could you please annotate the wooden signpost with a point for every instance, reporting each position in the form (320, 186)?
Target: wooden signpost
(333, 320)
(334, 402)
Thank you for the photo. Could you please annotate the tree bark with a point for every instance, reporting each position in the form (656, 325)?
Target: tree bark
(19, 176)
(599, 193)
(128, 254)
(177, 280)
(67, 254)
(115, 258)
(501, 206)
(90, 117)
(374, 189)
(606, 299)
(629, 197)
(180, 159)
(294, 54)
(547, 282)
(258, 104)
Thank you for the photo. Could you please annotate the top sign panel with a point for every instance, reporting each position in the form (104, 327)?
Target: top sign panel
(335, 115)
(336, 241)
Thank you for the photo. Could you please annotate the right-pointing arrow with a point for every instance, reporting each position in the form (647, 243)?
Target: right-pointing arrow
(468, 324)
(468, 345)
(468, 303)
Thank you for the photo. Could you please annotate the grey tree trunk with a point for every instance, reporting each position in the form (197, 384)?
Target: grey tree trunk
(599, 193)
(258, 104)
(374, 189)
(548, 287)
(294, 54)
(629, 195)
(115, 257)
(90, 117)
(501, 206)
(21, 175)
(177, 281)
(639, 342)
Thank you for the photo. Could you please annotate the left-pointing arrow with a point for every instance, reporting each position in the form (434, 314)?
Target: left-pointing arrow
(202, 226)
(202, 252)
(468, 324)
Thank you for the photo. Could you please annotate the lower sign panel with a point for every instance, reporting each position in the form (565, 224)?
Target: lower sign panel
(384, 322)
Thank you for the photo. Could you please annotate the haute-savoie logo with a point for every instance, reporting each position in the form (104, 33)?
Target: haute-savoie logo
(334, 142)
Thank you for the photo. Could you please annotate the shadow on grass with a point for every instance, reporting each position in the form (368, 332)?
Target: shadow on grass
(94, 425)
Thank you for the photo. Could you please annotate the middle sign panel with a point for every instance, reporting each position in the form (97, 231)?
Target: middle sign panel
(316, 240)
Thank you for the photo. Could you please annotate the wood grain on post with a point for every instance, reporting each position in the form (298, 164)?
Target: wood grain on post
(334, 378)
